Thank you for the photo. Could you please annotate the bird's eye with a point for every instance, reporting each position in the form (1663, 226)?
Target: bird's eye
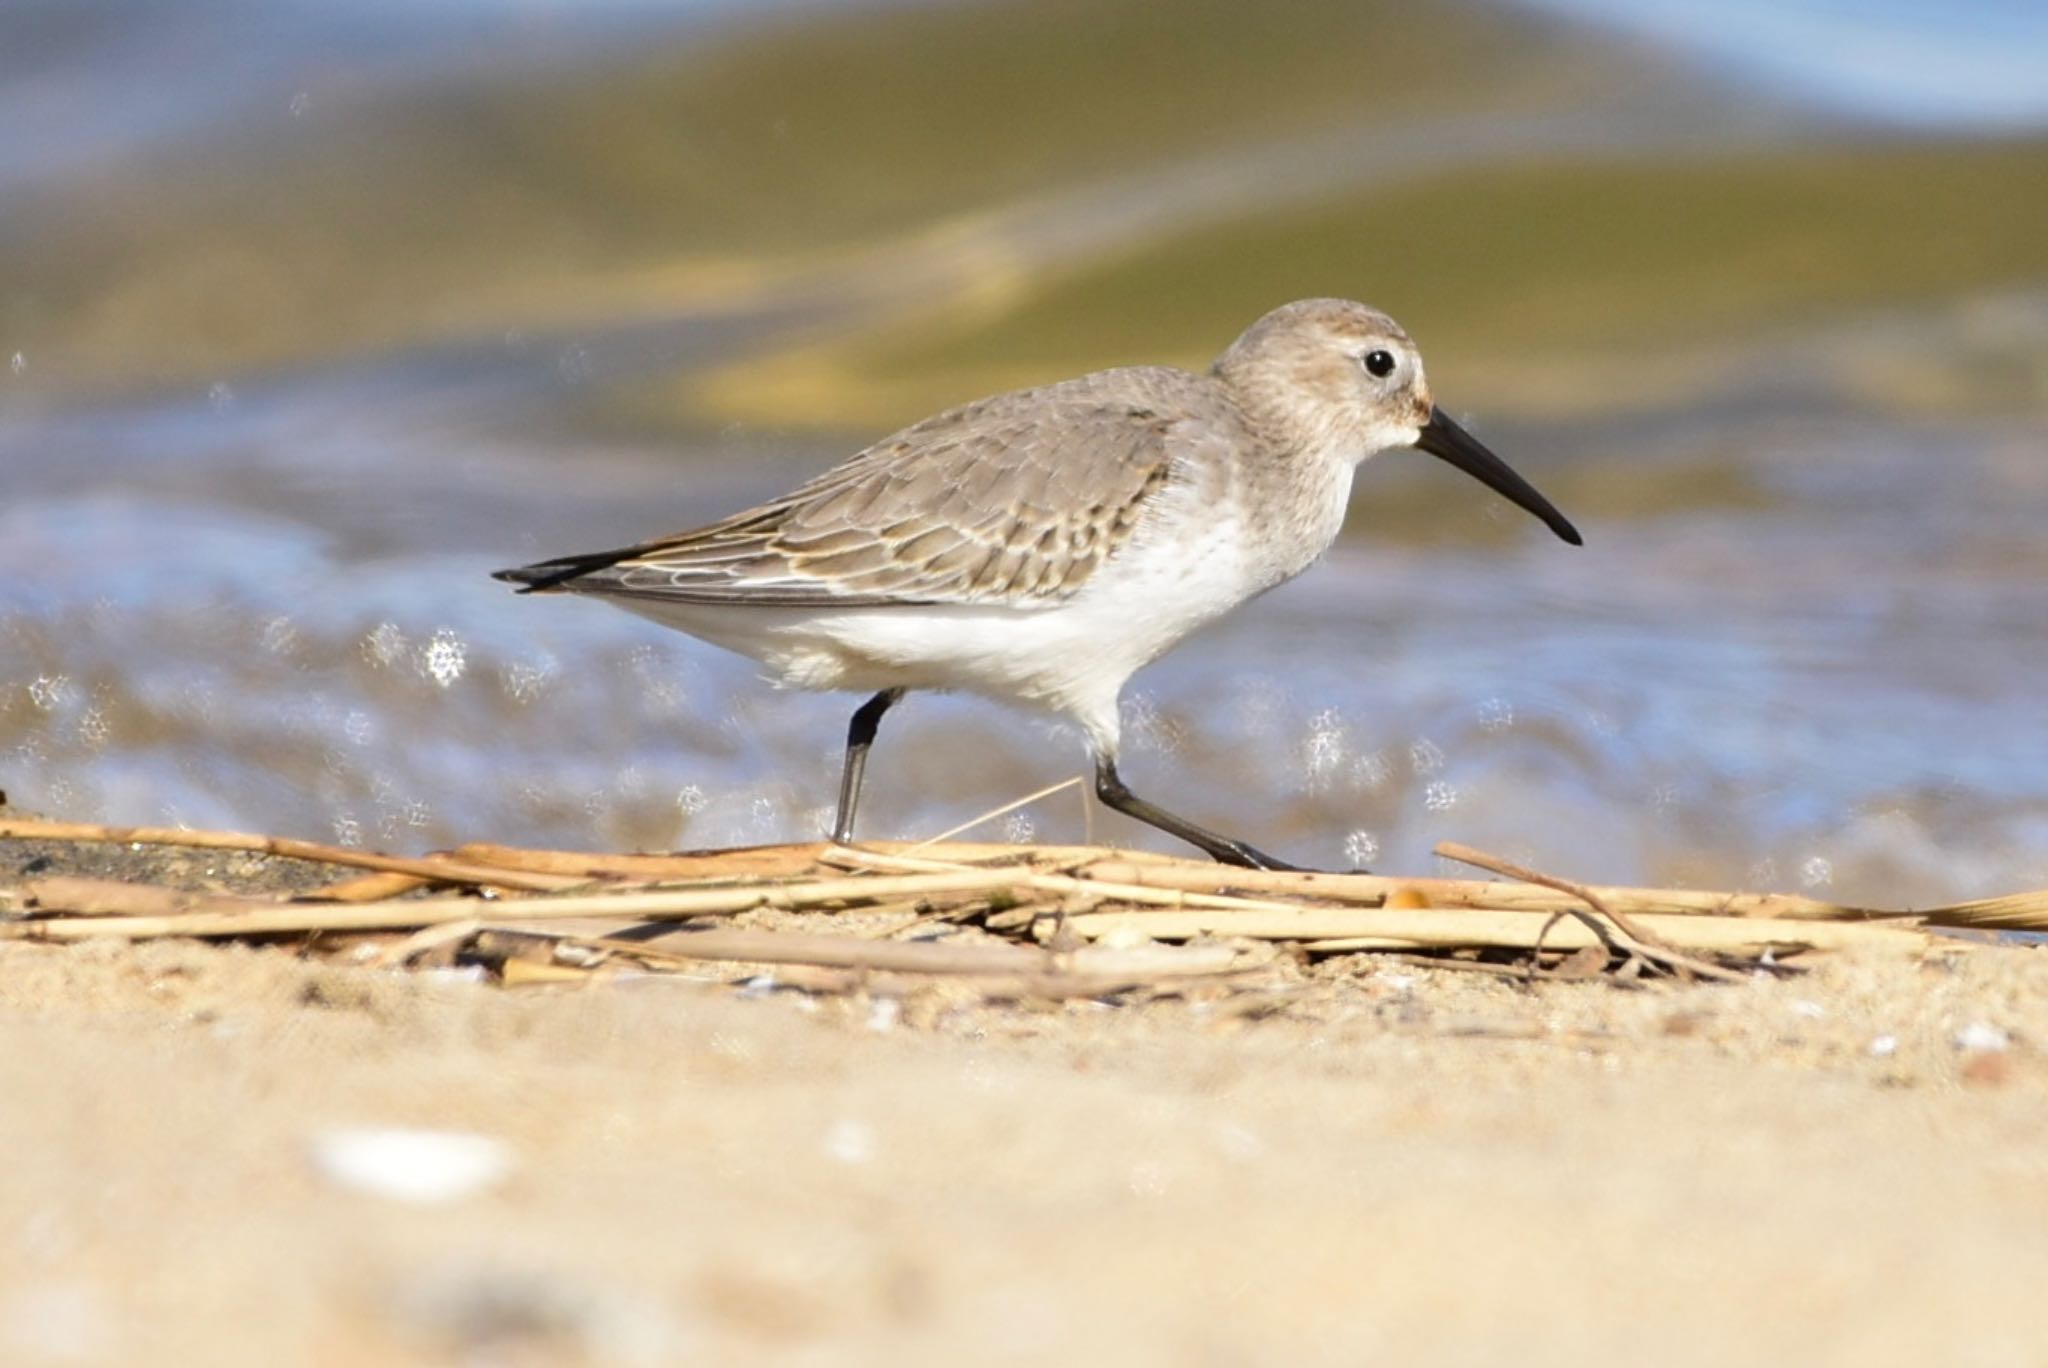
(1380, 363)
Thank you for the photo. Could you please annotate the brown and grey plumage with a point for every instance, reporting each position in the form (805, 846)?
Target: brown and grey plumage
(938, 513)
(1041, 546)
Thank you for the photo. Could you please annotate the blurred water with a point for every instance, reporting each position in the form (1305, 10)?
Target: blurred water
(86, 81)
(1802, 647)
(1835, 691)
(1969, 64)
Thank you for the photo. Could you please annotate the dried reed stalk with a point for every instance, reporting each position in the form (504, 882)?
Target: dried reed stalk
(1630, 937)
(1363, 928)
(1017, 970)
(433, 867)
(438, 940)
(1002, 811)
(1064, 885)
(837, 952)
(1098, 891)
(919, 957)
(1373, 889)
(741, 862)
(1003, 987)
(2013, 912)
(2016, 911)
(255, 918)
(772, 861)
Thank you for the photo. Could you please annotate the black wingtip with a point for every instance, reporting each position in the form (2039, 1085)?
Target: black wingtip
(553, 574)
(530, 578)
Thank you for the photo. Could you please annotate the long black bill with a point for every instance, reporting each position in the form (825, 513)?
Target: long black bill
(1443, 438)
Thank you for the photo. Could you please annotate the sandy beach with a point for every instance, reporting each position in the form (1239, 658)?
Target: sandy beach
(1371, 1162)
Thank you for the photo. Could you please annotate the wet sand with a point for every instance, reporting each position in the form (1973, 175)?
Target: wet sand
(1378, 1163)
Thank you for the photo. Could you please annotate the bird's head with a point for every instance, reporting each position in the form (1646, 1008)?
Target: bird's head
(1345, 382)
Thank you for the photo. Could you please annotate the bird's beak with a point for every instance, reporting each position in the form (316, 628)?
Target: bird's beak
(1443, 438)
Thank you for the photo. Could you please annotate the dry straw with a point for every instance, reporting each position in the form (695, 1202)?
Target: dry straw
(1056, 920)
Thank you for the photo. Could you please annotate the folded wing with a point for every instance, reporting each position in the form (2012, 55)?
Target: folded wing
(1016, 500)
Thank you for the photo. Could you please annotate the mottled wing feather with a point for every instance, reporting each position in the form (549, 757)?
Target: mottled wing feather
(1015, 500)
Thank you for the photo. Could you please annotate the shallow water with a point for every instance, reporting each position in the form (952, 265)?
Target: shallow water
(1802, 648)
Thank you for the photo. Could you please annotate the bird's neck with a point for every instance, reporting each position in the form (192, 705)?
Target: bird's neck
(1289, 433)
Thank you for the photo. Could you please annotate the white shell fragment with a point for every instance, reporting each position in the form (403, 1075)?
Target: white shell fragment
(1982, 1035)
(422, 1166)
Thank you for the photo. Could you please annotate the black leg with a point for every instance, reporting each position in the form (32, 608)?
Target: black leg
(1110, 789)
(860, 734)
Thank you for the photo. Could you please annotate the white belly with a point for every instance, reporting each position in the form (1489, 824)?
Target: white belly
(1066, 658)
(1181, 572)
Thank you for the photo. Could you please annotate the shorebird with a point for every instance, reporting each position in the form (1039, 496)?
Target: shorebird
(1040, 546)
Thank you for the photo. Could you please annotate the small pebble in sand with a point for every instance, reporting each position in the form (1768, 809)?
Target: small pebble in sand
(405, 1165)
(1982, 1035)
(850, 1141)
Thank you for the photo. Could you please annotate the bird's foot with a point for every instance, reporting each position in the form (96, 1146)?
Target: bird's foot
(1249, 857)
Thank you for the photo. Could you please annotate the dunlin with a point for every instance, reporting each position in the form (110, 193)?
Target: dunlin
(1041, 546)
